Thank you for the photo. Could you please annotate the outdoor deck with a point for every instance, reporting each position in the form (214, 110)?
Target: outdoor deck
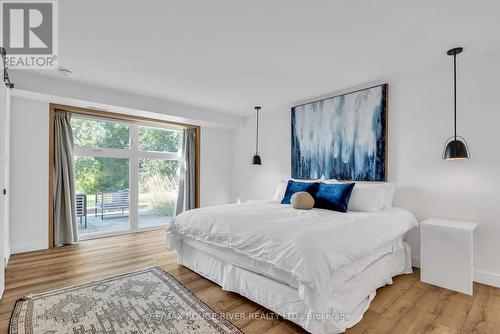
(118, 222)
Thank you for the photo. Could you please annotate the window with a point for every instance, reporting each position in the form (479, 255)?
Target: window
(126, 175)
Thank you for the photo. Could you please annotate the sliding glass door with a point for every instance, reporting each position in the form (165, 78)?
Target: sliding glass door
(126, 175)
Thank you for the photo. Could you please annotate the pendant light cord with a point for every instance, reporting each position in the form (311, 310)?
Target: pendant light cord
(257, 137)
(455, 92)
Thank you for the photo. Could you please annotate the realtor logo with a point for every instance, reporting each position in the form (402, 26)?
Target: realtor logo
(29, 33)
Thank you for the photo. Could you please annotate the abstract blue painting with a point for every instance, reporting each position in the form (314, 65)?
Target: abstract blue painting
(342, 137)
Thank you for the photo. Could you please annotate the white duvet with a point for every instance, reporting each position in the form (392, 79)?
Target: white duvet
(311, 245)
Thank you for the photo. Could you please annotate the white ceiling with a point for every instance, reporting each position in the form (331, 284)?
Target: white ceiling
(231, 55)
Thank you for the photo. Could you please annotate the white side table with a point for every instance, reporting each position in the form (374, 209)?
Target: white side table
(446, 256)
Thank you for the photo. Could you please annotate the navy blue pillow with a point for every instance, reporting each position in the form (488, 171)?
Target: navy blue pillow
(294, 187)
(333, 196)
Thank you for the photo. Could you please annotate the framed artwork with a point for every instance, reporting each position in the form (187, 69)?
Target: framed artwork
(342, 137)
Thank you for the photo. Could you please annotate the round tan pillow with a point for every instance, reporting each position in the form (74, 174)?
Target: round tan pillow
(302, 200)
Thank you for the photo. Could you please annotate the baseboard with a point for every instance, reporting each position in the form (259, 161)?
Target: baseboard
(487, 278)
(29, 246)
(480, 276)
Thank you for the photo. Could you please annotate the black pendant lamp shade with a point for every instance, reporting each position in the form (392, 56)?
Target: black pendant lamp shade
(456, 147)
(256, 158)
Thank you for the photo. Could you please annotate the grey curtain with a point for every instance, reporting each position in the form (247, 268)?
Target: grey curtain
(186, 195)
(65, 224)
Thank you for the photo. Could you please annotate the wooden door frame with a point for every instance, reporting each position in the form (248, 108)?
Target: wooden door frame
(116, 117)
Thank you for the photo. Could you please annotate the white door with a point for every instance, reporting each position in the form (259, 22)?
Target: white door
(6, 196)
(3, 179)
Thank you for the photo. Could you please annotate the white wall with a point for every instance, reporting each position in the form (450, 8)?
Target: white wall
(420, 120)
(29, 176)
(216, 158)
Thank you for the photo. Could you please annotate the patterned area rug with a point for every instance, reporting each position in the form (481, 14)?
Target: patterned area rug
(147, 301)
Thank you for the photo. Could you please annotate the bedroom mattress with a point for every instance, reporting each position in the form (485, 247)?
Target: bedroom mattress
(278, 291)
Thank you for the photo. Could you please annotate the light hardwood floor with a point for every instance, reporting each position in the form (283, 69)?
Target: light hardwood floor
(407, 306)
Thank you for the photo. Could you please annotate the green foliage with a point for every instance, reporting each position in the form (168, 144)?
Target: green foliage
(100, 134)
(158, 170)
(161, 191)
(95, 174)
(159, 140)
(166, 208)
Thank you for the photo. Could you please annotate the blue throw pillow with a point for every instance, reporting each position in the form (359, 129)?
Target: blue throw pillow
(333, 196)
(294, 186)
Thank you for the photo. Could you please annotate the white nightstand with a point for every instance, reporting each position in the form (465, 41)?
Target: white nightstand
(446, 256)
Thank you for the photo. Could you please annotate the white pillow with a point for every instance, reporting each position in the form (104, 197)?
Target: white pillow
(279, 193)
(370, 196)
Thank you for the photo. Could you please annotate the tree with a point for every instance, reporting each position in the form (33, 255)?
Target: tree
(93, 174)
(158, 140)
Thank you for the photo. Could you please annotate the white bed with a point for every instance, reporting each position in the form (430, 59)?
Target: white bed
(317, 268)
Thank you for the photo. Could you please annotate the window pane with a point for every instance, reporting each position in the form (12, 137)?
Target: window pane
(158, 184)
(159, 140)
(103, 199)
(100, 134)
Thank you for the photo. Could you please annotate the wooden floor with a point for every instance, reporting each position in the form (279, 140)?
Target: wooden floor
(407, 306)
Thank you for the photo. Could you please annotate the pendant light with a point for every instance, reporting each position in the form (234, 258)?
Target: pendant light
(456, 147)
(256, 158)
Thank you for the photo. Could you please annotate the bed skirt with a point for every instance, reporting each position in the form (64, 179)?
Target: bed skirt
(353, 298)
